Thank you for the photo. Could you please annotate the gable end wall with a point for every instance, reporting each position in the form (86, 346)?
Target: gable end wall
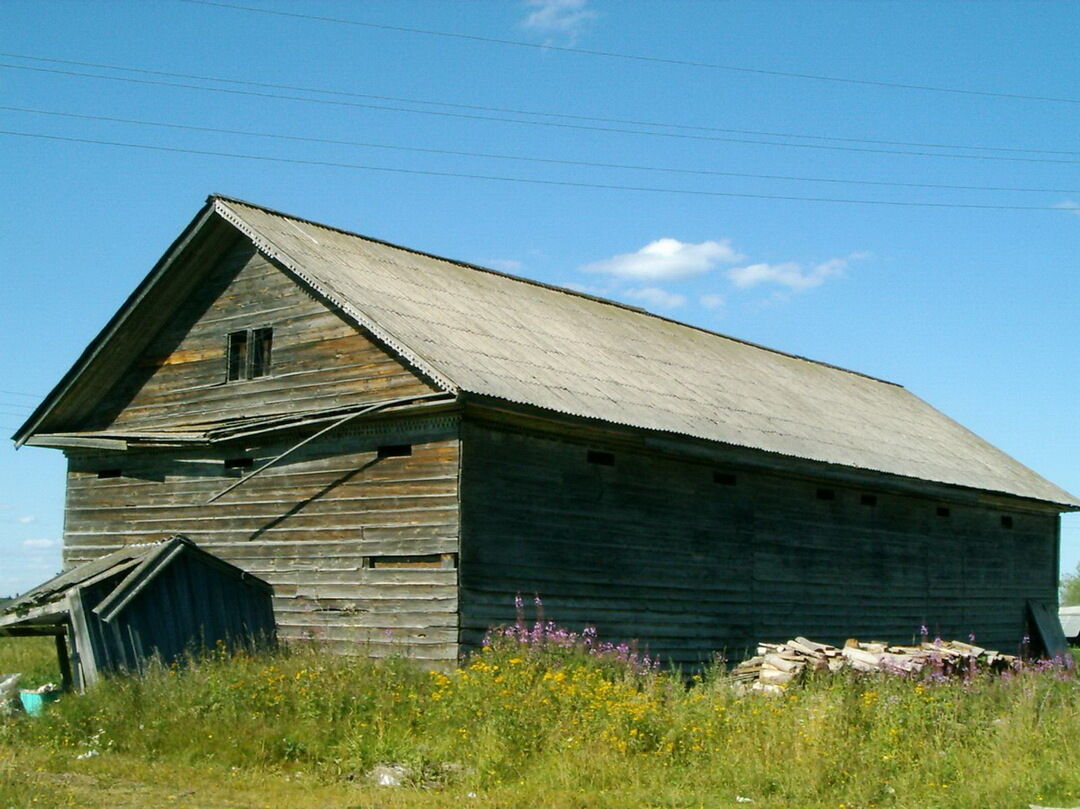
(319, 360)
(310, 526)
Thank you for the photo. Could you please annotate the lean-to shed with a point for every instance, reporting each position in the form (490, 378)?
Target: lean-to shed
(401, 443)
(160, 600)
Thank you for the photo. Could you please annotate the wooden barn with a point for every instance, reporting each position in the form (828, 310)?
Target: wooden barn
(401, 443)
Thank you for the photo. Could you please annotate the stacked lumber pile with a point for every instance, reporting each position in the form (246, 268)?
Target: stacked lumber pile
(777, 664)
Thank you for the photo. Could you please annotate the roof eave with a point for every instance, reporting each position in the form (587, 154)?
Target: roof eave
(472, 398)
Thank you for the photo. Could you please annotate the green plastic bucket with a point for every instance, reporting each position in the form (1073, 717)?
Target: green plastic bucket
(34, 703)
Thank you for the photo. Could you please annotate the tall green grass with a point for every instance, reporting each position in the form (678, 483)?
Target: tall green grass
(520, 721)
(34, 658)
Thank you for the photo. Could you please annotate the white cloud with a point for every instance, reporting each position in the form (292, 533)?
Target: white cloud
(563, 18)
(712, 301)
(1070, 205)
(791, 274)
(656, 297)
(26, 519)
(666, 260)
(39, 543)
(506, 265)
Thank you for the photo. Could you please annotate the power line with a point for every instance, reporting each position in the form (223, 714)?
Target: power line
(531, 159)
(643, 58)
(477, 117)
(529, 180)
(518, 111)
(20, 393)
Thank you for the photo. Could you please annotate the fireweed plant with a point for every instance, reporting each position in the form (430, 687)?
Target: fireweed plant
(544, 715)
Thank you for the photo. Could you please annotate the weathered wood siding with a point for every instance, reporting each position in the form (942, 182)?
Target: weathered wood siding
(188, 603)
(654, 548)
(319, 360)
(316, 527)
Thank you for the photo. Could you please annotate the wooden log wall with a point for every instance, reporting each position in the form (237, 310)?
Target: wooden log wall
(318, 359)
(692, 558)
(347, 538)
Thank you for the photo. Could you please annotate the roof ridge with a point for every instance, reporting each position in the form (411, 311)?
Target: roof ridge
(552, 287)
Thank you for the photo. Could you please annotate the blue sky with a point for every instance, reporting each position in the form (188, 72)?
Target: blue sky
(973, 308)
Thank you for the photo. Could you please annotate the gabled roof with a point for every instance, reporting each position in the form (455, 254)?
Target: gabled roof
(139, 564)
(475, 330)
(56, 589)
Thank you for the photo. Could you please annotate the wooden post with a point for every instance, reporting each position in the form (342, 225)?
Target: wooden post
(65, 662)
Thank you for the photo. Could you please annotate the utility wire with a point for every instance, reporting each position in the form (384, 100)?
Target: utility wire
(20, 393)
(516, 111)
(530, 159)
(643, 58)
(528, 180)
(477, 117)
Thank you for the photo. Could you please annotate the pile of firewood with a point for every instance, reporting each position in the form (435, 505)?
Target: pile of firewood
(777, 664)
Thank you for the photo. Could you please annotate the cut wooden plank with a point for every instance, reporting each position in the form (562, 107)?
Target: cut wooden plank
(1050, 634)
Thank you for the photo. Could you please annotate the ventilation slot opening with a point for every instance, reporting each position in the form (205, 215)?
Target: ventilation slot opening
(239, 463)
(394, 450)
(427, 560)
(1006, 521)
(868, 499)
(108, 473)
(943, 511)
(826, 494)
(600, 458)
(724, 478)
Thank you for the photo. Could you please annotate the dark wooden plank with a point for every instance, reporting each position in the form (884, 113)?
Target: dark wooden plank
(652, 547)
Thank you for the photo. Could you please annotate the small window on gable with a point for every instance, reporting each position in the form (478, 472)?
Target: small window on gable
(248, 353)
(826, 494)
(724, 478)
(261, 343)
(237, 354)
(1006, 521)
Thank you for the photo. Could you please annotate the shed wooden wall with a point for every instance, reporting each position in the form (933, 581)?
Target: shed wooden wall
(310, 527)
(319, 360)
(187, 605)
(652, 548)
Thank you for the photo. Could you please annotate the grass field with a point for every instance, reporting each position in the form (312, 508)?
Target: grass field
(541, 724)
